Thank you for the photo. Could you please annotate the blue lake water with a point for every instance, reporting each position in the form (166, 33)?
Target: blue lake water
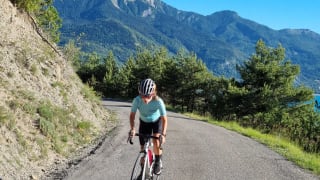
(317, 102)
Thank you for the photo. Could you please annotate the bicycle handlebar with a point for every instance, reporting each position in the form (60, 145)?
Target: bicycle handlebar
(144, 136)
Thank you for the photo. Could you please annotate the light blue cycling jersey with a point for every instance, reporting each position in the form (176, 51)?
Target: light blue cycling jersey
(150, 112)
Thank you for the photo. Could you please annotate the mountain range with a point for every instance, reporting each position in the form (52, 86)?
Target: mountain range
(222, 40)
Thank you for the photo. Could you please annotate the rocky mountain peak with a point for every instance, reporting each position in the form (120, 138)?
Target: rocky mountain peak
(140, 8)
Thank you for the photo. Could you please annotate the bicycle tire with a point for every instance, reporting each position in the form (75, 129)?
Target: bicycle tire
(137, 169)
(157, 177)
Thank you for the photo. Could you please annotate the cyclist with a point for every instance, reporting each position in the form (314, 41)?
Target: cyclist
(153, 118)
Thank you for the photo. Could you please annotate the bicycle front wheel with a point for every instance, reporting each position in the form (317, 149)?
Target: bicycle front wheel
(138, 168)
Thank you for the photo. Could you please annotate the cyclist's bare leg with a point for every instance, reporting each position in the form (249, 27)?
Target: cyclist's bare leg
(156, 145)
(158, 154)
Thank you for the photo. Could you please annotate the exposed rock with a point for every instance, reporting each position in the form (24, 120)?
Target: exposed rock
(31, 74)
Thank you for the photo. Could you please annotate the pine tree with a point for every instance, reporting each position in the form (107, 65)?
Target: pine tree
(269, 81)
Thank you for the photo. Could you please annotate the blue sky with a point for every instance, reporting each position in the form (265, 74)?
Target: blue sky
(276, 14)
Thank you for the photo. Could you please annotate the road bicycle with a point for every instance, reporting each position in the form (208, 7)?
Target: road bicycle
(144, 163)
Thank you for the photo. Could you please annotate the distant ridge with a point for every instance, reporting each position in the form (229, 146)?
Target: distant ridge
(222, 39)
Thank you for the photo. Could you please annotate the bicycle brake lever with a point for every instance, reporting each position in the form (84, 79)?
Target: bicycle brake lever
(130, 140)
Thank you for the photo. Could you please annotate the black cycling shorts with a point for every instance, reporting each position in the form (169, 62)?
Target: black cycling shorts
(149, 128)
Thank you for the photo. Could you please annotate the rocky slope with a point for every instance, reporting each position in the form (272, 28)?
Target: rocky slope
(39, 89)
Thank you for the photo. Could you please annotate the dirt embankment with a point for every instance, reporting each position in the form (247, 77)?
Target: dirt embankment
(45, 113)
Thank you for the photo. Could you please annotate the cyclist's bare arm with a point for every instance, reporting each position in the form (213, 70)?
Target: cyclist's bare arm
(164, 127)
(132, 117)
(164, 124)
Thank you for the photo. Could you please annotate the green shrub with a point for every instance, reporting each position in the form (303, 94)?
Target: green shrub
(47, 128)
(27, 5)
(34, 69)
(84, 125)
(21, 139)
(43, 147)
(3, 116)
(90, 94)
(304, 128)
(46, 111)
(47, 15)
(6, 118)
(63, 128)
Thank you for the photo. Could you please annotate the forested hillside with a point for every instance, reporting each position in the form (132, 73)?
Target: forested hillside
(221, 40)
(266, 98)
(46, 113)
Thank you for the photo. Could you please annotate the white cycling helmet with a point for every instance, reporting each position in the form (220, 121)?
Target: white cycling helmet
(146, 87)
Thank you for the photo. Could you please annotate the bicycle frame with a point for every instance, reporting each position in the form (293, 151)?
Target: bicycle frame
(148, 158)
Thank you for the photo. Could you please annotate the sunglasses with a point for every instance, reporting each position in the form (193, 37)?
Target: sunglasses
(147, 96)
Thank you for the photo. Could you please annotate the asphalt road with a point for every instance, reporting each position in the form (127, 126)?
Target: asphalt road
(193, 150)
